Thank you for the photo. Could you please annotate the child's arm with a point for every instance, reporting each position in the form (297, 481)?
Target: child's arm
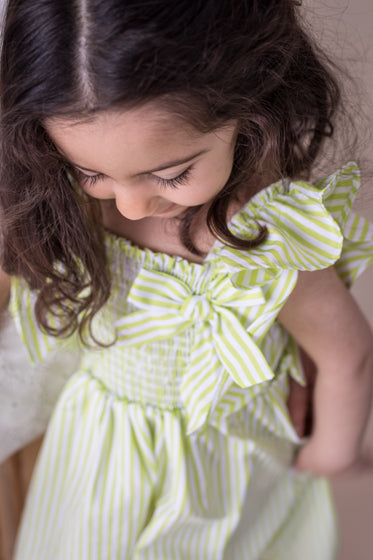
(4, 290)
(325, 320)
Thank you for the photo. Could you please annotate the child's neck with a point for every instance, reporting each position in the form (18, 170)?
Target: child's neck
(159, 235)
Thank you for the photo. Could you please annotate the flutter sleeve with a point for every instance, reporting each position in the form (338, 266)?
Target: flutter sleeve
(309, 227)
(340, 191)
(38, 344)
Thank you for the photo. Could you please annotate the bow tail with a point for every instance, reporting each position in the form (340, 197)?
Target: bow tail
(240, 355)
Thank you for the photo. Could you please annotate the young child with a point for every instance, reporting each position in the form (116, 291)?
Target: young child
(156, 214)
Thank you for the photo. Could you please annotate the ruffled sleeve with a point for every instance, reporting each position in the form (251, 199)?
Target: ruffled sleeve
(357, 249)
(38, 344)
(309, 228)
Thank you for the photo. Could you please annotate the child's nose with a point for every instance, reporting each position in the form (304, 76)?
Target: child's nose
(135, 205)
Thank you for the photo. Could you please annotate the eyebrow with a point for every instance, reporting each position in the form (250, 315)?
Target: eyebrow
(166, 165)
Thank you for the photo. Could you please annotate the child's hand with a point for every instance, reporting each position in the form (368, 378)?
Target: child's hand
(326, 463)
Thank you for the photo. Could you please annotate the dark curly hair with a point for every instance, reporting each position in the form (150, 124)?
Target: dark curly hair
(209, 61)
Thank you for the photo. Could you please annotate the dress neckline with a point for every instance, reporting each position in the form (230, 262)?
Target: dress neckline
(145, 254)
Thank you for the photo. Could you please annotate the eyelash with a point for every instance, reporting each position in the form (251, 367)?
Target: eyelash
(89, 180)
(174, 183)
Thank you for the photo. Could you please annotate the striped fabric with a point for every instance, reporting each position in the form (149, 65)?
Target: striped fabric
(175, 442)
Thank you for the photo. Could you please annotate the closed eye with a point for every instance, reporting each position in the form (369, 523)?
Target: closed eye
(89, 180)
(175, 182)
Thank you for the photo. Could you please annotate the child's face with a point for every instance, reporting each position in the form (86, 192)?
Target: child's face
(149, 161)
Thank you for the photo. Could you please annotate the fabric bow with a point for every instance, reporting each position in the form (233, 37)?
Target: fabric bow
(221, 344)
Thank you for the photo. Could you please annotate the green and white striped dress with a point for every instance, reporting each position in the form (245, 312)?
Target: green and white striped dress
(175, 442)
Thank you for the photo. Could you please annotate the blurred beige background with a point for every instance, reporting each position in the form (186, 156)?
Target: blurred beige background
(345, 27)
